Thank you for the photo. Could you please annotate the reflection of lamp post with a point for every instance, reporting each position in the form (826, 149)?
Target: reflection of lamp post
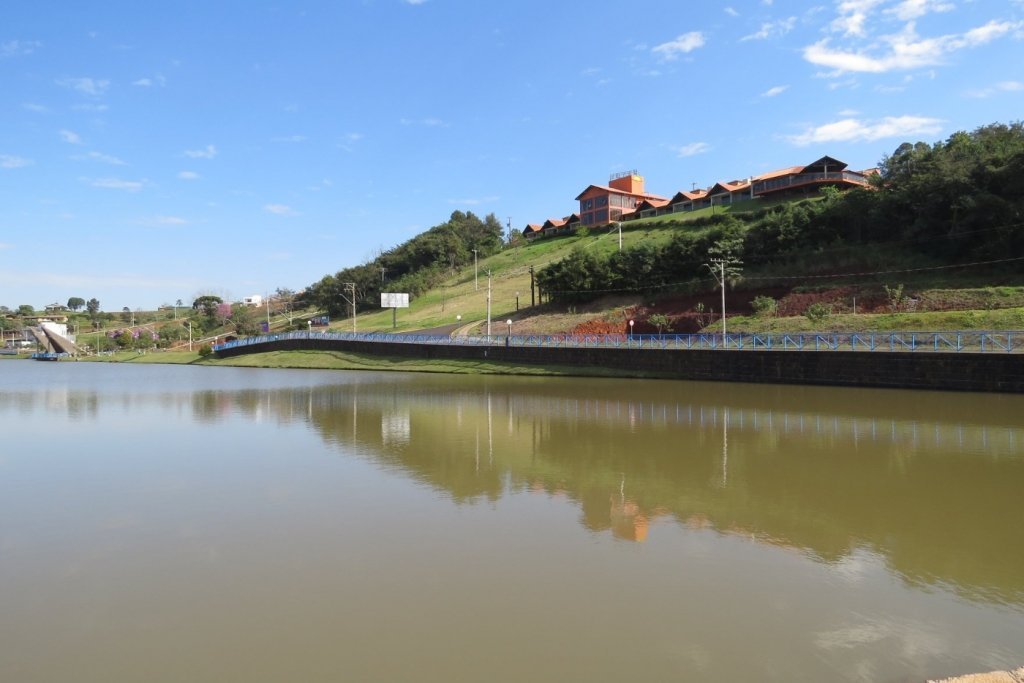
(509, 323)
(189, 335)
(631, 330)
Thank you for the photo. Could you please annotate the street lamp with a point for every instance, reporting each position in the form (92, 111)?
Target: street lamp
(476, 280)
(309, 329)
(517, 302)
(631, 329)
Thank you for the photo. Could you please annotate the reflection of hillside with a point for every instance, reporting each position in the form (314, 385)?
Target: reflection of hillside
(929, 481)
(911, 476)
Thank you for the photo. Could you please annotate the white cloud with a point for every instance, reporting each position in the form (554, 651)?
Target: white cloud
(857, 130)
(279, 209)
(687, 42)
(1004, 86)
(777, 90)
(37, 108)
(907, 10)
(105, 158)
(70, 137)
(429, 122)
(8, 161)
(415, 2)
(188, 175)
(117, 184)
(150, 82)
(170, 220)
(474, 201)
(19, 48)
(772, 29)
(88, 86)
(853, 14)
(208, 153)
(906, 50)
(731, 12)
(90, 107)
(290, 138)
(692, 149)
(5, 245)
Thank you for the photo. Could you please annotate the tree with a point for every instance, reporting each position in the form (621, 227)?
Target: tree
(75, 303)
(126, 314)
(93, 306)
(207, 305)
(660, 321)
(25, 310)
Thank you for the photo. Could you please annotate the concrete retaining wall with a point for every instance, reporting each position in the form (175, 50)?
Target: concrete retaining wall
(991, 372)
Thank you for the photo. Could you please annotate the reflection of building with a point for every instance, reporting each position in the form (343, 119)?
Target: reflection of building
(628, 522)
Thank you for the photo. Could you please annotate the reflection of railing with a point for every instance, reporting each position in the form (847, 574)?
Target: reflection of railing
(955, 342)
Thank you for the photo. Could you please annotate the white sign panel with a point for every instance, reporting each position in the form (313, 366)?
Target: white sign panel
(393, 300)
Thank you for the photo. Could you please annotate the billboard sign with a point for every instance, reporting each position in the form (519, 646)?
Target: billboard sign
(394, 300)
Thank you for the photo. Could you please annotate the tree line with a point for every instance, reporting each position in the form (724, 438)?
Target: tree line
(414, 266)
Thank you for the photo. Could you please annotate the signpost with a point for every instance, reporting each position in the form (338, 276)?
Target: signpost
(394, 301)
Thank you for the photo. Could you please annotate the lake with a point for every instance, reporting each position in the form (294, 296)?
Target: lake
(174, 523)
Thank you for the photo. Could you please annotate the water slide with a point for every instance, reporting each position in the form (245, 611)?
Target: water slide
(52, 340)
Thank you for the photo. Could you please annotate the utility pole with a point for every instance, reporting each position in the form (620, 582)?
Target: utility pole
(533, 301)
(268, 314)
(618, 224)
(476, 281)
(720, 276)
(488, 304)
(382, 269)
(508, 226)
(351, 287)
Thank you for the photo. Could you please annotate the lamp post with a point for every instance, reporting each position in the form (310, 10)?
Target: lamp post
(476, 280)
(508, 337)
(517, 302)
(309, 329)
(189, 335)
(631, 329)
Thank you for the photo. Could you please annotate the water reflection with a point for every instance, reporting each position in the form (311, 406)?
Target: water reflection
(927, 481)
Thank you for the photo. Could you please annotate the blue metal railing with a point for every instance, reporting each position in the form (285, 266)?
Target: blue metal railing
(895, 342)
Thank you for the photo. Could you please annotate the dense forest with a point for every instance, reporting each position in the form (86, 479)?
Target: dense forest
(414, 266)
(954, 202)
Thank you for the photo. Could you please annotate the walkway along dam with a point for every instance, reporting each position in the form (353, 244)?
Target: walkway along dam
(988, 362)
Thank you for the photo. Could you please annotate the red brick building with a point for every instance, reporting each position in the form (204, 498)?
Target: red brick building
(603, 204)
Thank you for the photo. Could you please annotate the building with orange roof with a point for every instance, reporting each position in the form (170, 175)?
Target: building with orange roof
(809, 179)
(604, 204)
(532, 230)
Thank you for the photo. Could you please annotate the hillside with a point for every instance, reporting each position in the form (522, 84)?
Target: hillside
(941, 231)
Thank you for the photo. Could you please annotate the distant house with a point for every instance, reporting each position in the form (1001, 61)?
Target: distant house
(55, 308)
(809, 179)
(254, 300)
(531, 231)
(603, 204)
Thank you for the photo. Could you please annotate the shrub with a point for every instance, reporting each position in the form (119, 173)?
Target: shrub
(205, 350)
(818, 312)
(764, 306)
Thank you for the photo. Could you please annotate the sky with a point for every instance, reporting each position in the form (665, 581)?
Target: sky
(151, 152)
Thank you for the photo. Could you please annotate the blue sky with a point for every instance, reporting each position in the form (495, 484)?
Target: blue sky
(151, 152)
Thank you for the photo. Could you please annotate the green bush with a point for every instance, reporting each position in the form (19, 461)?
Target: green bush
(818, 312)
(764, 306)
(205, 350)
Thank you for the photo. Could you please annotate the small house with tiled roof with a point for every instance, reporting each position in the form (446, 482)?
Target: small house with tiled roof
(532, 230)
